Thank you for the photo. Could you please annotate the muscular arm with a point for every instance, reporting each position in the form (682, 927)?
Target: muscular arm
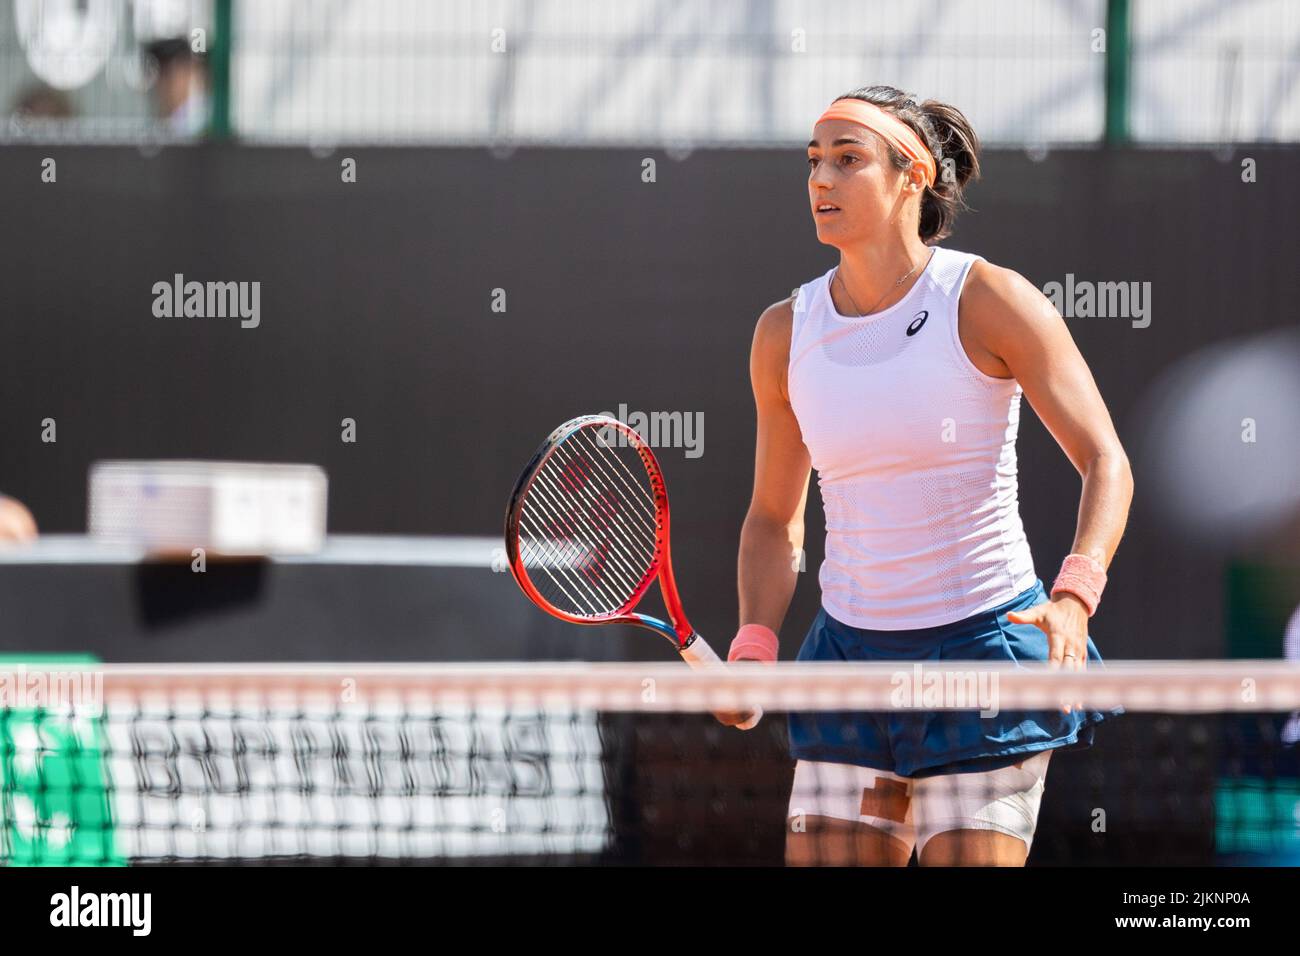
(772, 537)
(1009, 328)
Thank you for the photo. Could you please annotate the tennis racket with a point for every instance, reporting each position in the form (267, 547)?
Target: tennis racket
(587, 534)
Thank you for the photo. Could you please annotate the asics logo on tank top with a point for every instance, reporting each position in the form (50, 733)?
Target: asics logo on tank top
(859, 341)
(917, 322)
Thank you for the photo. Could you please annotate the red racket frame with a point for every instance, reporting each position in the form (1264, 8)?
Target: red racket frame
(679, 632)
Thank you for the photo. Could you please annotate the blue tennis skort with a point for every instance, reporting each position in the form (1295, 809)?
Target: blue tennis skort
(921, 743)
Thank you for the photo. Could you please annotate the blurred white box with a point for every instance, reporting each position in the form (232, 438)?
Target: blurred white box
(226, 508)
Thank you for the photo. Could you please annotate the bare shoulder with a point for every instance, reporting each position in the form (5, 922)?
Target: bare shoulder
(997, 301)
(1007, 326)
(1002, 315)
(770, 354)
(775, 324)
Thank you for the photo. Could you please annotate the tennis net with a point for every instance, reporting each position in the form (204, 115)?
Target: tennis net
(599, 763)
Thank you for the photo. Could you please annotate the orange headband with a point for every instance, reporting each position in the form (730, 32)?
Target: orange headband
(889, 128)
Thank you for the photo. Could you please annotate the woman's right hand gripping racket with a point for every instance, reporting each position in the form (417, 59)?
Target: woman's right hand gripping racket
(587, 534)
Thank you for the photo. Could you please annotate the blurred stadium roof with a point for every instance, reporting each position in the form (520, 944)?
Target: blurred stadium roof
(654, 72)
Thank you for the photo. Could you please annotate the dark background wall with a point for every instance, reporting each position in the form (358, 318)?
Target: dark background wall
(376, 305)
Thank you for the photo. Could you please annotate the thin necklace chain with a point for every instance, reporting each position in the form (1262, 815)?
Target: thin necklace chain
(888, 292)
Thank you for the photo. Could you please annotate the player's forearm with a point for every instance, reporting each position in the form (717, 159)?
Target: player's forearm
(1103, 506)
(771, 552)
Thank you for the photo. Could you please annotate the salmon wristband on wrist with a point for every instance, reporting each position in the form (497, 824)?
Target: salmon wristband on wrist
(754, 642)
(1082, 577)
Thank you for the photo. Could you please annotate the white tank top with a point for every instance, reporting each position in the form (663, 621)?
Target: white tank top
(915, 451)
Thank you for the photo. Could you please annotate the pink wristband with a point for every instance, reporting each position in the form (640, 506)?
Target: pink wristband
(754, 642)
(1083, 577)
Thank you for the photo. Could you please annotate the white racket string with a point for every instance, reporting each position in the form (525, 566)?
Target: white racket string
(623, 564)
(630, 524)
(587, 524)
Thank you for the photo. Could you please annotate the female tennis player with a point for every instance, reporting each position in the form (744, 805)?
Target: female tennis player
(898, 376)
